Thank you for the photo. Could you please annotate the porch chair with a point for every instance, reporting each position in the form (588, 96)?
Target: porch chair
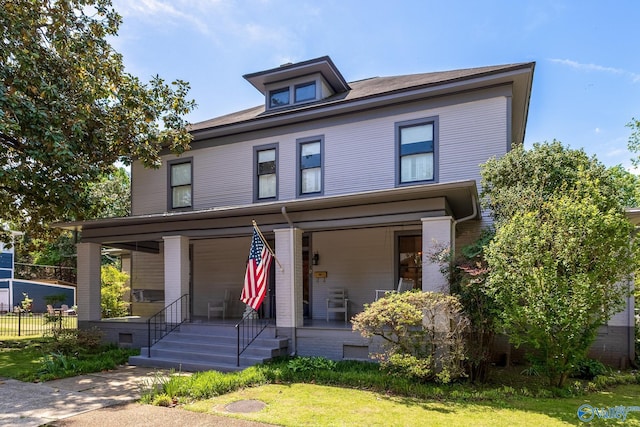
(218, 305)
(50, 310)
(337, 302)
(64, 308)
(403, 286)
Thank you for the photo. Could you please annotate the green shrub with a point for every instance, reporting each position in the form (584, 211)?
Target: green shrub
(305, 364)
(588, 369)
(74, 341)
(112, 291)
(162, 400)
(423, 329)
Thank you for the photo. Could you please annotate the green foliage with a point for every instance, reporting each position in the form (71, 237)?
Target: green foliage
(425, 328)
(523, 179)
(468, 281)
(588, 369)
(54, 299)
(60, 365)
(558, 258)
(634, 139)
(628, 185)
(74, 341)
(26, 302)
(367, 376)
(162, 400)
(114, 286)
(69, 110)
(302, 364)
(110, 195)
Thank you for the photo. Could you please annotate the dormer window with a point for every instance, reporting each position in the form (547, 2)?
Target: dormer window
(279, 98)
(303, 92)
(295, 84)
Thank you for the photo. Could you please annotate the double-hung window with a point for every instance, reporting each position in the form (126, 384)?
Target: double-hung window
(180, 184)
(417, 149)
(266, 172)
(310, 165)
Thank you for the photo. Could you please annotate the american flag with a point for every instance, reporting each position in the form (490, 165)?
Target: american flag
(255, 279)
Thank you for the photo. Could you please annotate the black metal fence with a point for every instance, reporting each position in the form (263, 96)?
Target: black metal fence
(23, 323)
(45, 272)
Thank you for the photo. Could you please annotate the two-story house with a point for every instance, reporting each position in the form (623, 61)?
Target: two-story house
(354, 185)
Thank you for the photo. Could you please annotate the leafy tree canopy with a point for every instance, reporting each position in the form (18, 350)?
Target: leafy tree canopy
(523, 179)
(634, 139)
(69, 110)
(561, 256)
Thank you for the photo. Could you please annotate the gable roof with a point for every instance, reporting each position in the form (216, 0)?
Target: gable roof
(378, 91)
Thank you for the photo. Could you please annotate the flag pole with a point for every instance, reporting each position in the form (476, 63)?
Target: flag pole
(255, 226)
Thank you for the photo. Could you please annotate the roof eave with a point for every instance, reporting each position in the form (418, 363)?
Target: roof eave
(323, 65)
(520, 76)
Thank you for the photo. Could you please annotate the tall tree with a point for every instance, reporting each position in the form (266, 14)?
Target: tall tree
(69, 110)
(560, 259)
(634, 139)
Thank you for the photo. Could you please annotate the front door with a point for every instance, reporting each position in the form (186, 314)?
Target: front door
(409, 259)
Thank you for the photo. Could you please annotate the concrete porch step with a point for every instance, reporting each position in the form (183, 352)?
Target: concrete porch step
(198, 347)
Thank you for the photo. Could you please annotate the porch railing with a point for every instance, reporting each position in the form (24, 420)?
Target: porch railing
(248, 330)
(166, 320)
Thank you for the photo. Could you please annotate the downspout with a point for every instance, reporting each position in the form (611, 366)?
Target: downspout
(286, 216)
(474, 207)
(294, 341)
(473, 214)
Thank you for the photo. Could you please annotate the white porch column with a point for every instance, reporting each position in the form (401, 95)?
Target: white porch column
(88, 288)
(289, 282)
(437, 233)
(176, 268)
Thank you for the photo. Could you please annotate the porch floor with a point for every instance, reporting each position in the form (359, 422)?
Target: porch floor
(308, 323)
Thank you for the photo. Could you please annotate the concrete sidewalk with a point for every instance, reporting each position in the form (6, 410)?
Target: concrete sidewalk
(99, 399)
(34, 404)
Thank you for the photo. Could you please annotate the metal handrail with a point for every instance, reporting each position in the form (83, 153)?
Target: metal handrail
(167, 320)
(248, 330)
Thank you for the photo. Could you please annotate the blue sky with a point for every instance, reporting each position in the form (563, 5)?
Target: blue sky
(586, 84)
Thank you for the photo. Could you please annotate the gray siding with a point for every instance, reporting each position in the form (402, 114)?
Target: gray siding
(360, 261)
(359, 153)
(219, 265)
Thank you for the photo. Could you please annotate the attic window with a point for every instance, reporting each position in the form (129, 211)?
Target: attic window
(303, 92)
(279, 98)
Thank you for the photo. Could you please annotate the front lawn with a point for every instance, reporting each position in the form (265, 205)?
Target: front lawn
(318, 405)
(69, 354)
(313, 391)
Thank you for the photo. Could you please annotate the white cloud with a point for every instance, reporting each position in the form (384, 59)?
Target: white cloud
(248, 24)
(169, 13)
(599, 68)
(597, 130)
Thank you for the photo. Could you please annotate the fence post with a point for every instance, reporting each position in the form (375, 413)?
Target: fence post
(19, 318)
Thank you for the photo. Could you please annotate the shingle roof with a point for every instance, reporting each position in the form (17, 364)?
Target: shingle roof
(361, 89)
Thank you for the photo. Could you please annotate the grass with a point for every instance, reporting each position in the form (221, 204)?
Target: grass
(44, 359)
(32, 324)
(314, 393)
(19, 358)
(318, 405)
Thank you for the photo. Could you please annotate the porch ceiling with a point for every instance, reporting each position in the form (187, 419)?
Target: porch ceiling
(405, 205)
